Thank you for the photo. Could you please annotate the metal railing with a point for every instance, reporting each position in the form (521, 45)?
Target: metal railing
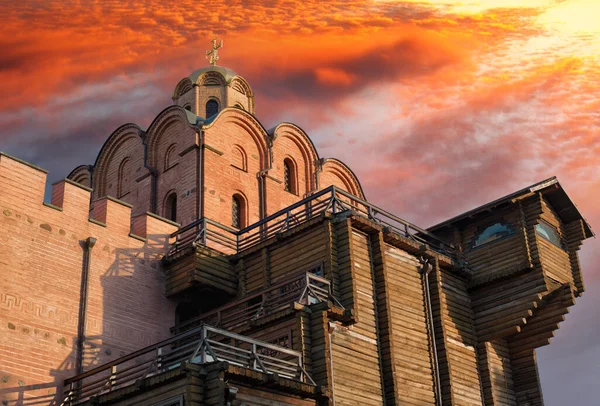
(200, 345)
(307, 288)
(330, 200)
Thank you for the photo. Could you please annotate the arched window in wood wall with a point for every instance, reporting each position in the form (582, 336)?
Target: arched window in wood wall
(212, 108)
(492, 233)
(290, 181)
(170, 156)
(170, 211)
(124, 178)
(238, 211)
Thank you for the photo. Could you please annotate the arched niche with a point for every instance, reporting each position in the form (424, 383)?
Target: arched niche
(251, 135)
(125, 142)
(171, 126)
(335, 172)
(81, 175)
(290, 141)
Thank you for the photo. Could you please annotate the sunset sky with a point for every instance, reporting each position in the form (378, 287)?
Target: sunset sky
(438, 106)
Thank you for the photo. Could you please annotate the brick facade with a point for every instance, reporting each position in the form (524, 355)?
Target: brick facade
(43, 249)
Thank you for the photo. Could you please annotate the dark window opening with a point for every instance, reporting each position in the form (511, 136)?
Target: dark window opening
(236, 212)
(289, 178)
(492, 233)
(171, 207)
(550, 233)
(212, 108)
(188, 108)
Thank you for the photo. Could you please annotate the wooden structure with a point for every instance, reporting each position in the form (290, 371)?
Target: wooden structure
(334, 301)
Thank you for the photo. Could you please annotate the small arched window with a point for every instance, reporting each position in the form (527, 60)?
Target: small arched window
(550, 233)
(170, 156)
(238, 158)
(188, 107)
(171, 207)
(238, 208)
(492, 233)
(212, 108)
(289, 176)
(123, 183)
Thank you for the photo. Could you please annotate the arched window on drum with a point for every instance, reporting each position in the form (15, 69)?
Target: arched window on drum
(212, 108)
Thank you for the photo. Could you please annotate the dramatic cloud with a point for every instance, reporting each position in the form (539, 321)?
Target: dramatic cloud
(437, 105)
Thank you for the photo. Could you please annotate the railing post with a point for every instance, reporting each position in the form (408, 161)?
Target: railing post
(203, 338)
(204, 231)
(158, 359)
(254, 357)
(113, 377)
(333, 200)
(70, 396)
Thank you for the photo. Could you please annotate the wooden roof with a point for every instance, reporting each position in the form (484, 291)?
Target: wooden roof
(552, 191)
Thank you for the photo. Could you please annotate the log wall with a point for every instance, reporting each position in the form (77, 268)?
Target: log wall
(496, 373)
(555, 260)
(356, 369)
(455, 339)
(497, 258)
(407, 355)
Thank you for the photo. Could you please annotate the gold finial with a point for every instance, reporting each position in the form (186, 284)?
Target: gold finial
(213, 53)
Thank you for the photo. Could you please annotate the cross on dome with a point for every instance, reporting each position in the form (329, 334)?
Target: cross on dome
(213, 54)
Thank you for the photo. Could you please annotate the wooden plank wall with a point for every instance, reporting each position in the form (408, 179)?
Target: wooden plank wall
(496, 373)
(525, 376)
(501, 307)
(257, 397)
(214, 269)
(499, 258)
(346, 290)
(278, 333)
(254, 269)
(299, 253)
(575, 234)
(403, 302)
(178, 275)
(356, 370)
(555, 260)
(455, 339)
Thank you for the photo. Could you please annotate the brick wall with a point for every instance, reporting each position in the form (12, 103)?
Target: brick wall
(40, 279)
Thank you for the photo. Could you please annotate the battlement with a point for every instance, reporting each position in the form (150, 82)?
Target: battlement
(23, 186)
(45, 261)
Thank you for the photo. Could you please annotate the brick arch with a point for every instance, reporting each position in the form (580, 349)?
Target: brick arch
(159, 138)
(305, 158)
(81, 175)
(335, 172)
(246, 121)
(184, 86)
(239, 158)
(211, 78)
(124, 142)
(239, 84)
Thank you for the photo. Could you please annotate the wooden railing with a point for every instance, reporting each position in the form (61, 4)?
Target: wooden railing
(200, 345)
(330, 200)
(307, 288)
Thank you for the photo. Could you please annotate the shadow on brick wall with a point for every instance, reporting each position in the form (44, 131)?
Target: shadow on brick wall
(129, 289)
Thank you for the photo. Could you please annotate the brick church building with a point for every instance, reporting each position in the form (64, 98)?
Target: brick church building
(207, 260)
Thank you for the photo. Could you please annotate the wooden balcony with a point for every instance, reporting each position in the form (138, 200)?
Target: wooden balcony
(304, 289)
(199, 259)
(201, 345)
